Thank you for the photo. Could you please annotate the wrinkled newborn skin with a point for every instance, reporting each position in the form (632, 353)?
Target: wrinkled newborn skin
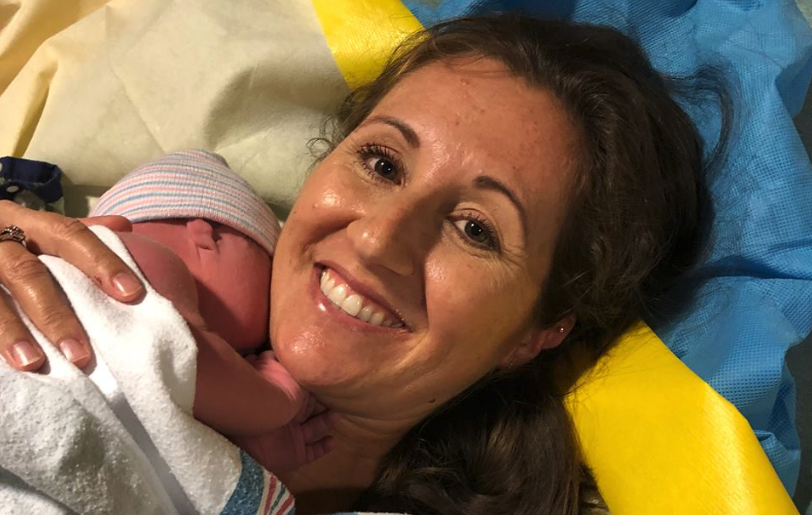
(232, 272)
(217, 279)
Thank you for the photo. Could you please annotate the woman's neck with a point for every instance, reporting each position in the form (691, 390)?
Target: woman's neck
(334, 482)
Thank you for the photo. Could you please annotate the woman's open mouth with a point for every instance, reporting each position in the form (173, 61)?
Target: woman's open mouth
(355, 304)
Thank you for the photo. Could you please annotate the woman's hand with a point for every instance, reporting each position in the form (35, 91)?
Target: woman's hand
(37, 293)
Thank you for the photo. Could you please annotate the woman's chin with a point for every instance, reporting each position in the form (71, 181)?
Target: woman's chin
(321, 345)
(312, 361)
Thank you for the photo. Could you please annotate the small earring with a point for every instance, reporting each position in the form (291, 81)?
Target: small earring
(561, 329)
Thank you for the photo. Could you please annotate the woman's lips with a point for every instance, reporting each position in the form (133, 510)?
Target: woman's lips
(355, 304)
(336, 295)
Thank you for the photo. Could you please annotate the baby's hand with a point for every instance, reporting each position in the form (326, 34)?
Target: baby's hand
(306, 438)
(273, 372)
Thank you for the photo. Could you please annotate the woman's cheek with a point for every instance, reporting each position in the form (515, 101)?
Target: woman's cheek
(305, 353)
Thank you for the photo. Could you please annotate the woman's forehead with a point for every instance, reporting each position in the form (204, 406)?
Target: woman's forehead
(478, 115)
(480, 108)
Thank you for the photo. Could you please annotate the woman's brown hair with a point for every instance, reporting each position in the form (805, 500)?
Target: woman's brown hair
(638, 219)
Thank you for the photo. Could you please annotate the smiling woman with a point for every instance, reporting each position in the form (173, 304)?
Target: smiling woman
(502, 202)
(508, 194)
(403, 225)
(439, 215)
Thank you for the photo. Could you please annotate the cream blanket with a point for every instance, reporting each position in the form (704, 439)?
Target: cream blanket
(100, 87)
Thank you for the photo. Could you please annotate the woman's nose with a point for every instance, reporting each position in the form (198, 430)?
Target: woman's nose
(394, 236)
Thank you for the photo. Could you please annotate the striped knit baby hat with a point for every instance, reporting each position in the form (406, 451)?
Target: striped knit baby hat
(191, 184)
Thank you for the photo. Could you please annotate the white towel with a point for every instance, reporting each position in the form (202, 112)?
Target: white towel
(122, 440)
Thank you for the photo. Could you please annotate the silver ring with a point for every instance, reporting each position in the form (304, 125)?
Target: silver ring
(13, 233)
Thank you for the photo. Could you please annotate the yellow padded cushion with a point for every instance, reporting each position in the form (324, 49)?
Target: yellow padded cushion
(657, 437)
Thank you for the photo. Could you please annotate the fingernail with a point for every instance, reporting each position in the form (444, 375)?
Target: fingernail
(24, 353)
(126, 284)
(73, 350)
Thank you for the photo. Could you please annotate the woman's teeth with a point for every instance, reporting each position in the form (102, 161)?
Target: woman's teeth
(355, 305)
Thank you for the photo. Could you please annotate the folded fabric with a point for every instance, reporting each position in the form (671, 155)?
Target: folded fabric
(123, 439)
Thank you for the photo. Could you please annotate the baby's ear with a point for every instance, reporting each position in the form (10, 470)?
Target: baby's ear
(535, 341)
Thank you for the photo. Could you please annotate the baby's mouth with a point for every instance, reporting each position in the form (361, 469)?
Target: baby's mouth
(354, 304)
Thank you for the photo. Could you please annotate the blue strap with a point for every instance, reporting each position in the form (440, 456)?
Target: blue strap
(40, 178)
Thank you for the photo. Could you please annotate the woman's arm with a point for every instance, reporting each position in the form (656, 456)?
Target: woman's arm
(39, 296)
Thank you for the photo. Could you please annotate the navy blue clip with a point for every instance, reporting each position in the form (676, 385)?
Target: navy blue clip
(40, 178)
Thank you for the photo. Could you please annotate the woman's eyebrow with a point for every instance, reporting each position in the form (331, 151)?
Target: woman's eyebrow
(408, 133)
(489, 183)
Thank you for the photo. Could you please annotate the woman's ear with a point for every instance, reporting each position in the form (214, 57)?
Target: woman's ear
(535, 341)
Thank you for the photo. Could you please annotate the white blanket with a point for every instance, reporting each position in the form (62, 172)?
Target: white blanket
(121, 440)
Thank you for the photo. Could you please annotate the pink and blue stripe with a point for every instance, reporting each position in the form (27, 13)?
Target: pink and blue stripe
(191, 184)
(258, 492)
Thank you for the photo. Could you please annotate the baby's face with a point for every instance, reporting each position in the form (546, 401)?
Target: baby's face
(233, 275)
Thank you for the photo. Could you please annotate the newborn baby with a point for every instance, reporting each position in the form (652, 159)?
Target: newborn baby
(203, 239)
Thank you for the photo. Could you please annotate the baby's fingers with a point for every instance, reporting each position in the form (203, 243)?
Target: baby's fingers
(319, 426)
(318, 449)
(112, 222)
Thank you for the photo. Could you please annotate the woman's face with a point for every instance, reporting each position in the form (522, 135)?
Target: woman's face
(413, 258)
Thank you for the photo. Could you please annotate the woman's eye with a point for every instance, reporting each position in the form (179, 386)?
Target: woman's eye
(477, 232)
(380, 162)
(383, 167)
